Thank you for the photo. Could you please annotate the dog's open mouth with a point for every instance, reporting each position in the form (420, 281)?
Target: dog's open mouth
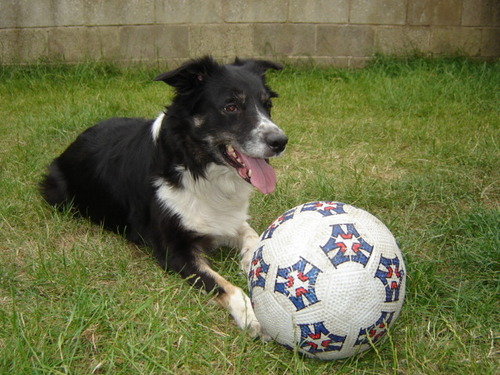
(255, 171)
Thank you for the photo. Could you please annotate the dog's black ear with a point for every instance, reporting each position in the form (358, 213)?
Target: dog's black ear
(190, 74)
(266, 65)
(258, 66)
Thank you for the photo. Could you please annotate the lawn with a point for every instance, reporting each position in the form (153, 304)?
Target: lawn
(415, 142)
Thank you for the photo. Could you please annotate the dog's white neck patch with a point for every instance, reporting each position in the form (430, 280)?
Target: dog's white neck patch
(156, 127)
(216, 205)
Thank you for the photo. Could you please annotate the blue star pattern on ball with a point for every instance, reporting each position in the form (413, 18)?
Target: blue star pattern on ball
(324, 208)
(391, 275)
(258, 270)
(375, 332)
(268, 233)
(297, 282)
(346, 245)
(316, 338)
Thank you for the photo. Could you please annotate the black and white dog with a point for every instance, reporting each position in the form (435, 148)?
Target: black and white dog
(181, 183)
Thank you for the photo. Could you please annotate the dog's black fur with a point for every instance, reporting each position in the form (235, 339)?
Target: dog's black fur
(142, 177)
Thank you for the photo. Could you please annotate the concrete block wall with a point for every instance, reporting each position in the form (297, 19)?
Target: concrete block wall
(338, 32)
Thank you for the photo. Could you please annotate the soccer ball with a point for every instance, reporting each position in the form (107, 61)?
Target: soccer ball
(327, 279)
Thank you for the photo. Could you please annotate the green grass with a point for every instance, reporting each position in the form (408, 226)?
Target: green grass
(413, 141)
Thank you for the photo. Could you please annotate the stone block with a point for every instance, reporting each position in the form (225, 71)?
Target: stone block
(74, 44)
(119, 12)
(255, 10)
(448, 41)
(359, 62)
(398, 40)
(342, 62)
(22, 45)
(9, 14)
(224, 40)
(150, 43)
(319, 11)
(376, 12)
(335, 41)
(172, 41)
(324, 61)
(104, 42)
(435, 13)
(68, 44)
(26, 13)
(137, 43)
(280, 39)
(193, 11)
(68, 12)
(50, 13)
(481, 13)
(490, 43)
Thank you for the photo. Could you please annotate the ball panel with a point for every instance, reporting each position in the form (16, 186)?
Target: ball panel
(274, 317)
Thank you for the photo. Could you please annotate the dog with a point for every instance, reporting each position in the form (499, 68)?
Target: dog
(181, 183)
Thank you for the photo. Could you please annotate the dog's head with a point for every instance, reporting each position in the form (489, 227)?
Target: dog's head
(228, 109)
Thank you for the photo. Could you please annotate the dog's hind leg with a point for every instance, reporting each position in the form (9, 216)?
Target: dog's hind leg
(54, 187)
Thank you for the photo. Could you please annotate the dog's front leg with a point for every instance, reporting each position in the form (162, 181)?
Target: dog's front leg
(247, 238)
(235, 300)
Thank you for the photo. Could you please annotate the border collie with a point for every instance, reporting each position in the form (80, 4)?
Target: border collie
(181, 184)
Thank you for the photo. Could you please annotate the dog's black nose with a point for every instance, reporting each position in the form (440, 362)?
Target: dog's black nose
(276, 141)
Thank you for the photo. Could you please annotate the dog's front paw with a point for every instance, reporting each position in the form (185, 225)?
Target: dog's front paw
(246, 254)
(246, 259)
(255, 330)
(240, 308)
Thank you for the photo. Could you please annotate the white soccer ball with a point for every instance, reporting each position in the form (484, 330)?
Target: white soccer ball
(327, 279)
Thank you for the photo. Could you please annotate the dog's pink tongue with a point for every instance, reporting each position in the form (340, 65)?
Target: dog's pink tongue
(263, 177)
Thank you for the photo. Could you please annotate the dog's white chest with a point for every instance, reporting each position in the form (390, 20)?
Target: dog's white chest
(216, 205)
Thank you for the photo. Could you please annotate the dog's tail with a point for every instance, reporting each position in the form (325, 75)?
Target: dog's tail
(54, 188)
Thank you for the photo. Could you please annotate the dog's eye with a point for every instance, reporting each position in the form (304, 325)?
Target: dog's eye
(231, 108)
